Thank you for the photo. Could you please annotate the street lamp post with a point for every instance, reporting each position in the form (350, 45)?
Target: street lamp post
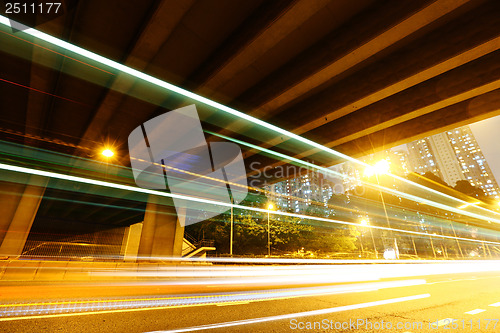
(361, 243)
(381, 168)
(231, 236)
(269, 207)
(365, 223)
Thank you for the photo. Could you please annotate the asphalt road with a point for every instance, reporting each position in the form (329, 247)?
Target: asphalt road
(412, 304)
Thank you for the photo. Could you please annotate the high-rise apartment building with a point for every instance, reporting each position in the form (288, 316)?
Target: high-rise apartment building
(350, 177)
(398, 161)
(297, 194)
(454, 155)
(435, 154)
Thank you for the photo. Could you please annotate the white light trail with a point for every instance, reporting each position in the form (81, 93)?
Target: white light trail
(160, 83)
(307, 274)
(172, 195)
(163, 84)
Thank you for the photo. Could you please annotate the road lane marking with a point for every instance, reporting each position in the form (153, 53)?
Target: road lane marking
(233, 303)
(442, 322)
(495, 304)
(476, 311)
(468, 279)
(297, 314)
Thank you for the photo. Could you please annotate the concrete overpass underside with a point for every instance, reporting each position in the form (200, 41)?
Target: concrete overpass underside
(355, 76)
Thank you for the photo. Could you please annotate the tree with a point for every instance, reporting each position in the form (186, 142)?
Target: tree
(287, 234)
(336, 239)
(431, 176)
(466, 188)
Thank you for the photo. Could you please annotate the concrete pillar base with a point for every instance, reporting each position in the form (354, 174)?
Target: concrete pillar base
(18, 213)
(162, 234)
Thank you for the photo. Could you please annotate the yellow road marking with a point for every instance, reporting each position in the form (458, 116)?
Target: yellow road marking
(233, 303)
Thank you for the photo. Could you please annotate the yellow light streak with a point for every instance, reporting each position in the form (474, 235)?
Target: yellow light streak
(225, 204)
(314, 291)
(468, 204)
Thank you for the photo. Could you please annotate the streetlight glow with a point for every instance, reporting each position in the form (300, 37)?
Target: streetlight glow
(270, 206)
(469, 204)
(363, 222)
(107, 152)
(380, 168)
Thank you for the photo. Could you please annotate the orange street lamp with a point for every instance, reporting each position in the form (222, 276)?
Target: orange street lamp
(108, 153)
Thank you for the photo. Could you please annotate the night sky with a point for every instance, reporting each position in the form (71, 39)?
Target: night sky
(486, 133)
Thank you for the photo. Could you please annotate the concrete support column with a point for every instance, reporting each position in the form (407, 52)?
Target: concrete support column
(162, 235)
(18, 212)
(131, 242)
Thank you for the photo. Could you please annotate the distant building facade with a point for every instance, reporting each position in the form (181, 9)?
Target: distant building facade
(453, 155)
(298, 194)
